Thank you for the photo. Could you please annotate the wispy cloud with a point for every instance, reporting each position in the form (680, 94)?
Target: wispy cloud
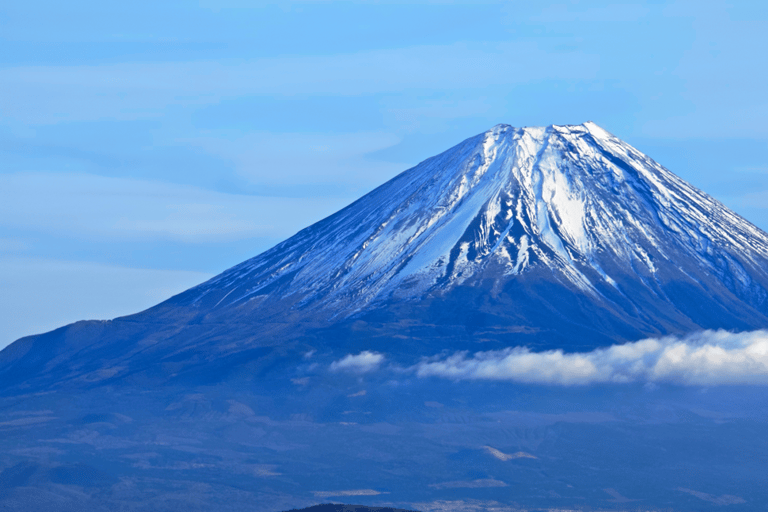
(508, 456)
(353, 492)
(725, 499)
(359, 363)
(297, 159)
(469, 484)
(89, 206)
(704, 358)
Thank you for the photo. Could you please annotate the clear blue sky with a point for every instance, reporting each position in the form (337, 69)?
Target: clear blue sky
(146, 147)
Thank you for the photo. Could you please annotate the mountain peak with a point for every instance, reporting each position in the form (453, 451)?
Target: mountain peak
(551, 237)
(568, 203)
(587, 127)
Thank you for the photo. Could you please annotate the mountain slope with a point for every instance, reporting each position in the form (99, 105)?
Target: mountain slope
(534, 230)
(562, 236)
(571, 198)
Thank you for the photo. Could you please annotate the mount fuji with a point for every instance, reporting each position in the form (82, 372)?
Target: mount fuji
(288, 378)
(505, 216)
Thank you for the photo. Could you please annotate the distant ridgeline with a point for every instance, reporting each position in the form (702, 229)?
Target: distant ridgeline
(330, 507)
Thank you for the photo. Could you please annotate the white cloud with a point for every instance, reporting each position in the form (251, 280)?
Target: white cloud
(508, 456)
(360, 363)
(704, 358)
(101, 207)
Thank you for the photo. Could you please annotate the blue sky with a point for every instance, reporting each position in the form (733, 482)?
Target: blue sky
(146, 147)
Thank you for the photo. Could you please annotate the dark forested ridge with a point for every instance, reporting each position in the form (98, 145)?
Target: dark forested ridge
(331, 507)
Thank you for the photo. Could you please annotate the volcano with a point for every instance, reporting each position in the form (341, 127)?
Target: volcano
(558, 237)
(562, 237)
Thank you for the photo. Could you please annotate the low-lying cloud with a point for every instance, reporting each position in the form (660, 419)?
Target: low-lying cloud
(470, 484)
(359, 363)
(704, 358)
(353, 492)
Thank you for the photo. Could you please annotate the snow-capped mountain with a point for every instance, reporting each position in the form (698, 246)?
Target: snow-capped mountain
(562, 236)
(571, 205)
(295, 376)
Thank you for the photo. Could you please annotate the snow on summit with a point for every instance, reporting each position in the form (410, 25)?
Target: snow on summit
(574, 200)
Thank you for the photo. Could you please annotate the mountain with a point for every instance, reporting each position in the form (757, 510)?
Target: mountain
(557, 237)
(574, 202)
(514, 226)
(241, 393)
